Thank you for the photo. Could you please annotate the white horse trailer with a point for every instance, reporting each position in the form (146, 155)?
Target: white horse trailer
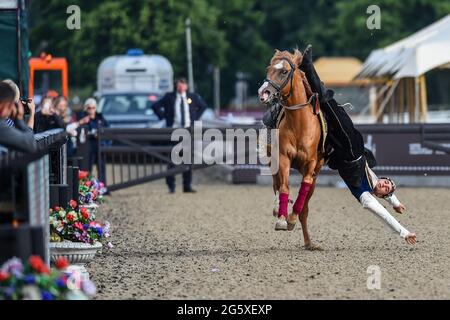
(129, 84)
(135, 72)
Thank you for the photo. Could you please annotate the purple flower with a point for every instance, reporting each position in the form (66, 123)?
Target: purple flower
(106, 227)
(13, 266)
(9, 292)
(88, 287)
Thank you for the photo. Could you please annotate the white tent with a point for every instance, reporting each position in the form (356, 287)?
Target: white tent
(400, 68)
(413, 56)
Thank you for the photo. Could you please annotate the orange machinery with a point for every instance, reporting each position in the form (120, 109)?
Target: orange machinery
(47, 63)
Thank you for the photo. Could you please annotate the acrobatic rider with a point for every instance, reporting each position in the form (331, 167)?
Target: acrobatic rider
(348, 154)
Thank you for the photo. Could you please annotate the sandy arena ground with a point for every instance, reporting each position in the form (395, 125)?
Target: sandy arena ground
(220, 244)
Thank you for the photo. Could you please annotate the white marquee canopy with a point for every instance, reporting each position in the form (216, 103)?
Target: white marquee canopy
(412, 56)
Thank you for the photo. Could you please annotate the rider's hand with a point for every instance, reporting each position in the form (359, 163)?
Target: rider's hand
(411, 238)
(400, 209)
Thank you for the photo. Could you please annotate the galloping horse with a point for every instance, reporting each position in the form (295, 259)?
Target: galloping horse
(299, 137)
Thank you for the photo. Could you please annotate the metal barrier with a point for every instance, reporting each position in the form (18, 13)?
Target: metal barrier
(25, 185)
(135, 156)
(128, 157)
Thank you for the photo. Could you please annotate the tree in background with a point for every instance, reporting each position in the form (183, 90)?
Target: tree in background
(235, 35)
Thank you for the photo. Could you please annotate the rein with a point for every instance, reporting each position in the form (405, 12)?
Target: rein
(301, 105)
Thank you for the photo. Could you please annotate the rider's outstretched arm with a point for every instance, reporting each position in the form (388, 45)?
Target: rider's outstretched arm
(368, 201)
(393, 200)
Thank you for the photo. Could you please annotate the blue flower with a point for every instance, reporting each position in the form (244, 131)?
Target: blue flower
(60, 283)
(46, 295)
(29, 279)
(99, 231)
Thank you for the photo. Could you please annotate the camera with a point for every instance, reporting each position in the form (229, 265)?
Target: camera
(25, 102)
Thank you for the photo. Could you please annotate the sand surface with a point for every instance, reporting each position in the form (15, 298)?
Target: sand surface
(220, 244)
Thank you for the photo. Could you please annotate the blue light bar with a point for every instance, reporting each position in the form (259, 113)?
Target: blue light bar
(135, 52)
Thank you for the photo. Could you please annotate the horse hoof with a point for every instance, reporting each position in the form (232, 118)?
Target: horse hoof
(291, 221)
(313, 247)
(281, 224)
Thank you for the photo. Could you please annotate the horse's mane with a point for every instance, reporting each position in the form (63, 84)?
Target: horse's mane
(296, 58)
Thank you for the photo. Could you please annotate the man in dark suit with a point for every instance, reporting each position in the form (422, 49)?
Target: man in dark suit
(180, 109)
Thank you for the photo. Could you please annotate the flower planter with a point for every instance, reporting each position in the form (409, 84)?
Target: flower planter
(77, 253)
(74, 252)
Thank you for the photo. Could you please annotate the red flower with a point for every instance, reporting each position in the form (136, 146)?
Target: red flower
(44, 269)
(84, 213)
(73, 204)
(61, 263)
(4, 276)
(37, 264)
(57, 208)
(78, 225)
(70, 217)
(88, 183)
(82, 174)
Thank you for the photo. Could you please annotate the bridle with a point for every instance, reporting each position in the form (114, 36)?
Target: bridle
(279, 88)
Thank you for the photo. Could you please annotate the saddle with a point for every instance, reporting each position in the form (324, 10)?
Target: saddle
(322, 120)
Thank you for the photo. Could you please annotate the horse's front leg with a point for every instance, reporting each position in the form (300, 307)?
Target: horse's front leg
(276, 188)
(283, 179)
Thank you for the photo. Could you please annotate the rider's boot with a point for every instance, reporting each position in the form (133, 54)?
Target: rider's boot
(307, 66)
(271, 115)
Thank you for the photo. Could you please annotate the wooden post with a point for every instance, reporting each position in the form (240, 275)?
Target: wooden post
(410, 99)
(423, 99)
(373, 100)
(416, 99)
(401, 101)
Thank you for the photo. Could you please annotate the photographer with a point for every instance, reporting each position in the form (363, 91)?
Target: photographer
(28, 104)
(18, 137)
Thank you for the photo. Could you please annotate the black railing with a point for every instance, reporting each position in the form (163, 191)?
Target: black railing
(25, 196)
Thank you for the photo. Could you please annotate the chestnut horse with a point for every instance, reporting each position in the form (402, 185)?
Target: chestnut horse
(299, 137)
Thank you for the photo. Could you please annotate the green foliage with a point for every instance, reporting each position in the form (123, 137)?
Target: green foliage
(236, 35)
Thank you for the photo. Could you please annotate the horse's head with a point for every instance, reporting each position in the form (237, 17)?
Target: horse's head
(280, 77)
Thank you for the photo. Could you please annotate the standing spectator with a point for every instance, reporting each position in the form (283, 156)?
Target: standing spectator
(47, 118)
(62, 109)
(180, 109)
(18, 137)
(94, 123)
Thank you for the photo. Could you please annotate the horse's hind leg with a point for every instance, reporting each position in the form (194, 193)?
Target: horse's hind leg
(304, 214)
(307, 182)
(304, 221)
